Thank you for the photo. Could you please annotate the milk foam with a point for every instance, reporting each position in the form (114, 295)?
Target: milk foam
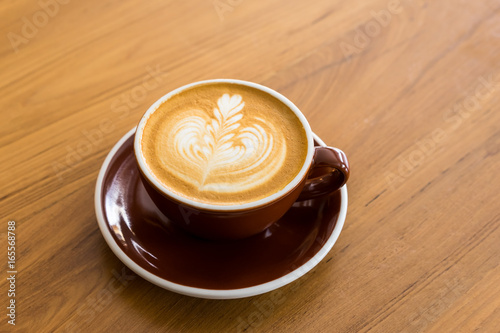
(219, 148)
(224, 144)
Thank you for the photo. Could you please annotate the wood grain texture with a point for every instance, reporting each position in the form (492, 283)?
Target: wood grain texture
(411, 98)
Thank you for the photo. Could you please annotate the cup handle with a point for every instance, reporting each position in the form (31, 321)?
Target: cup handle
(329, 172)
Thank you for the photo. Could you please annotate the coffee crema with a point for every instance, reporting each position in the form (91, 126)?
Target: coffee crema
(224, 144)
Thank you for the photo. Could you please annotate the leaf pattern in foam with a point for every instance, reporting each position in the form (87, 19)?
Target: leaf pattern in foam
(215, 145)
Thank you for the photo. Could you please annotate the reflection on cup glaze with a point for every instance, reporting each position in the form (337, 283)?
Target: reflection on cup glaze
(222, 156)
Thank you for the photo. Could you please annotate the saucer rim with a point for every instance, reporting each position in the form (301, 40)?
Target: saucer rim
(202, 292)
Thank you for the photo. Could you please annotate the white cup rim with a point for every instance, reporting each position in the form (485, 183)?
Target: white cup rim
(221, 208)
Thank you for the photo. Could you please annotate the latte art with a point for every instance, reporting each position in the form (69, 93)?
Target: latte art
(216, 145)
(223, 144)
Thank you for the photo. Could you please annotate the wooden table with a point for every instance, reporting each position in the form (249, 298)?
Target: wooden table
(408, 89)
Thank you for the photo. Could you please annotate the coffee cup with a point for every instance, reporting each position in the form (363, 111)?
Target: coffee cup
(225, 159)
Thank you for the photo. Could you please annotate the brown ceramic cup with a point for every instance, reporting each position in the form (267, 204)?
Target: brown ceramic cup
(324, 171)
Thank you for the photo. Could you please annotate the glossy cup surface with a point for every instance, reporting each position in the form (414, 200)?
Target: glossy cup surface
(224, 221)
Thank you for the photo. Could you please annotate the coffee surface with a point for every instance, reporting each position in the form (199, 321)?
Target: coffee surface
(224, 144)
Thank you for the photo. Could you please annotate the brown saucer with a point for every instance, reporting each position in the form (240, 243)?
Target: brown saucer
(146, 241)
